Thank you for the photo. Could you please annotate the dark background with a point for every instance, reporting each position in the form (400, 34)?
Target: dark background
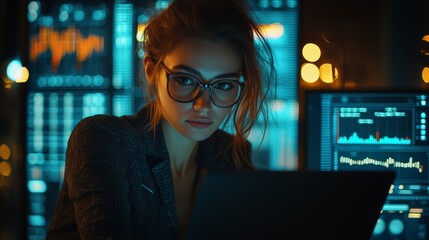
(375, 44)
(12, 121)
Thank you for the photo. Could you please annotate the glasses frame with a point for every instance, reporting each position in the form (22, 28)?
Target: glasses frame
(170, 74)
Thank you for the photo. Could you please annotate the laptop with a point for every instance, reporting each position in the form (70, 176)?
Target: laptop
(267, 204)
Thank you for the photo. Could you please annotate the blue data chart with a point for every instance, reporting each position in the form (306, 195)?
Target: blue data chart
(384, 130)
(377, 124)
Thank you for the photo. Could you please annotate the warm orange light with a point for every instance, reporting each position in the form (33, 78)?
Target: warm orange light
(311, 52)
(309, 72)
(67, 42)
(5, 168)
(4, 152)
(414, 215)
(425, 74)
(425, 45)
(22, 75)
(273, 30)
(140, 29)
(416, 210)
(328, 73)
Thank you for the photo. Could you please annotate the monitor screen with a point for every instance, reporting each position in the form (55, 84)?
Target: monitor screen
(348, 130)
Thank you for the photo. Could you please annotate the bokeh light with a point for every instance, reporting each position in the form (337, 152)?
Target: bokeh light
(4, 152)
(273, 30)
(16, 72)
(5, 169)
(425, 74)
(309, 72)
(140, 31)
(328, 73)
(311, 52)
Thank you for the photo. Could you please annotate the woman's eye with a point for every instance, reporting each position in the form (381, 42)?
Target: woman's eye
(182, 80)
(224, 85)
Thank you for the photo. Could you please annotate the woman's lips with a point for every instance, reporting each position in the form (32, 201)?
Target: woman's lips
(200, 123)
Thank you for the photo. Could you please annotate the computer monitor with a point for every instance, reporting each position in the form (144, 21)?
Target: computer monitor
(348, 130)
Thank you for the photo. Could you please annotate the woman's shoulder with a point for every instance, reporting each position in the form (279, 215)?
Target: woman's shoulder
(112, 124)
(102, 139)
(102, 123)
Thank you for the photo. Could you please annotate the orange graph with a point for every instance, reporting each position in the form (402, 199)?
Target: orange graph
(66, 42)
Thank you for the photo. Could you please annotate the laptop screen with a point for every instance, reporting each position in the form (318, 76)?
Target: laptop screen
(287, 205)
(381, 130)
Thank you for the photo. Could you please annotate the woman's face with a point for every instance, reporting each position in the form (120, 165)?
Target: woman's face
(208, 61)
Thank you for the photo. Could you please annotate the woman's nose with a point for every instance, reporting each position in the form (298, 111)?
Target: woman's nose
(203, 102)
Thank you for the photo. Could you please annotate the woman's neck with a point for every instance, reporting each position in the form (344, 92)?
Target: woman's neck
(181, 150)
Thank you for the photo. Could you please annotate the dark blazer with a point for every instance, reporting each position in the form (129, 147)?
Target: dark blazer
(118, 182)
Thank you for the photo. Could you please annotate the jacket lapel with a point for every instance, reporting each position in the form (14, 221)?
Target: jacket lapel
(164, 181)
(158, 162)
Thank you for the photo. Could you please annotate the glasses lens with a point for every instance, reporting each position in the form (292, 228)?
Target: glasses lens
(225, 93)
(183, 87)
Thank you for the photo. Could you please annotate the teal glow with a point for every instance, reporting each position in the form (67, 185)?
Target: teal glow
(36, 186)
(123, 46)
(396, 226)
(46, 21)
(35, 158)
(277, 3)
(13, 69)
(291, 3)
(99, 15)
(379, 227)
(36, 220)
(415, 187)
(396, 207)
(63, 16)
(78, 15)
(122, 105)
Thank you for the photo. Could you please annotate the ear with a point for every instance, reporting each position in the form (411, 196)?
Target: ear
(148, 66)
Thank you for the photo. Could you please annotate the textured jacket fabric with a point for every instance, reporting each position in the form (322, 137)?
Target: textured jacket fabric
(118, 183)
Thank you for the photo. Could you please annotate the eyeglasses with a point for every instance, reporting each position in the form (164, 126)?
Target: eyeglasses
(184, 88)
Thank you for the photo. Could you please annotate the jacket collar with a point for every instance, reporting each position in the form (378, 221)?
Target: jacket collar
(158, 160)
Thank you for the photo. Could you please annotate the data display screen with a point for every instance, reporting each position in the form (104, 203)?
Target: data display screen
(70, 60)
(374, 130)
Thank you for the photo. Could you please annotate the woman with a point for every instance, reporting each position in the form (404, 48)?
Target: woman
(132, 177)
